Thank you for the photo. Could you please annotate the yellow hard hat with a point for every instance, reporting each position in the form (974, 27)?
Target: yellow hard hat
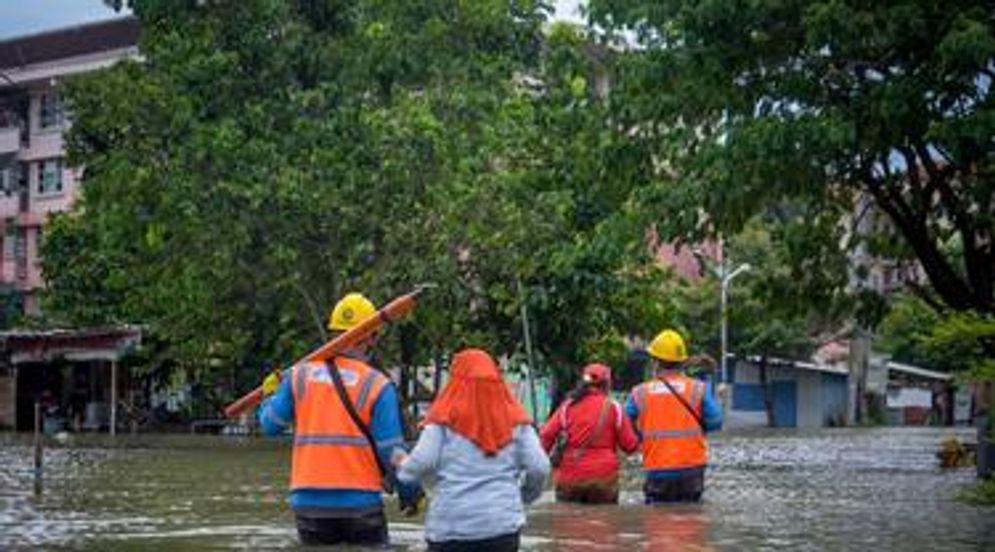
(349, 311)
(668, 346)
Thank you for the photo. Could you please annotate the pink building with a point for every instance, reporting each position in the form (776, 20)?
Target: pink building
(685, 259)
(34, 177)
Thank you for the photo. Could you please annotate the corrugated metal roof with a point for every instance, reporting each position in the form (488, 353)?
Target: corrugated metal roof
(839, 369)
(38, 346)
(916, 371)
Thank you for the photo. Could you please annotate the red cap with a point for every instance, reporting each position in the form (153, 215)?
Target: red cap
(597, 373)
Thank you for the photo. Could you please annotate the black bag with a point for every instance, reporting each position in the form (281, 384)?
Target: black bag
(559, 449)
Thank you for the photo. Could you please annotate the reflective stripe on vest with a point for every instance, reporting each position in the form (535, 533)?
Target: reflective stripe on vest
(330, 452)
(672, 438)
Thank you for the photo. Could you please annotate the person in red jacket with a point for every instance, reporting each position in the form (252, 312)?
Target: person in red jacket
(595, 427)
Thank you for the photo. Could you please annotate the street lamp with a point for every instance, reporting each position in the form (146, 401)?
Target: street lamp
(726, 279)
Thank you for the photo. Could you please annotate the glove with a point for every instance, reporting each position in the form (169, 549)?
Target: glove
(271, 383)
(411, 498)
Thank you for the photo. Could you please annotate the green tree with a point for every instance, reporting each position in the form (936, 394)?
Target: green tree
(264, 157)
(777, 310)
(959, 342)
(747, 104)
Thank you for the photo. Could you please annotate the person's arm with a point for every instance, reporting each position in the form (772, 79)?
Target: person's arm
(628, 441)
(385, 423)
(632, 412)
(552, 428)
(533, 461)
(424, 458)
(388, 432)
(276, 413)
(711, 409)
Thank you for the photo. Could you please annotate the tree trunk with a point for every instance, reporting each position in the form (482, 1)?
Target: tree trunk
(767, 387)
(972, 290)
(408, 389)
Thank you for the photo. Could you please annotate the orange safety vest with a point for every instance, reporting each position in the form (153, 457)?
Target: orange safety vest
(671, 437)
(330, 452)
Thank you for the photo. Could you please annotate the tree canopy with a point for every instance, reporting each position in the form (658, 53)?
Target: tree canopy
(745, 105)
(265, 157)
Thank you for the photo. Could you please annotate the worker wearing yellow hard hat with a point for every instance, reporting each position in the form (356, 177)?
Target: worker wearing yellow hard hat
(672, 412)
(349, 311)
(347, 424)
(668, 346)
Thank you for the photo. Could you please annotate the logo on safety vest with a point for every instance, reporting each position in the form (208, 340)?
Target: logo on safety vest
(349, 377)
(660, 388)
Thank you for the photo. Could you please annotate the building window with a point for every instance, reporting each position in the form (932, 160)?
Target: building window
(51, 111)
(21, 253)
(10, 236)
(50, 176)
(8, 180)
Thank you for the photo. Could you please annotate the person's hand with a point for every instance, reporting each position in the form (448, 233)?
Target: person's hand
(398, 457)
(271, 383)
(411, 498)
(722, 391)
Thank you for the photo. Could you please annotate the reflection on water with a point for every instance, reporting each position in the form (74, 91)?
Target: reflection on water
(628, 527)
(838, 489)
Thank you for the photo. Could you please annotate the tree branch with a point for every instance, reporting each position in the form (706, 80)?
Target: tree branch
(976, 262)
(945, 280)
(922, 196)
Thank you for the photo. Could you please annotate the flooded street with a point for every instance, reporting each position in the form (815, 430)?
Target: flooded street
(830, 489)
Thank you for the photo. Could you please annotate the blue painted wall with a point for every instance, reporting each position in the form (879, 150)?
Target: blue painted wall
(785, 404)
(835, 391)
(748, 397)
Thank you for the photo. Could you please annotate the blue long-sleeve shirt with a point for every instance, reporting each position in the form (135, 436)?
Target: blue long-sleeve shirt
(711, 416)
(276, 414)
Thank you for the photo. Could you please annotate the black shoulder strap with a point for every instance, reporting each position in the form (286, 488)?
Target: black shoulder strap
(684, 402)
(333, 370)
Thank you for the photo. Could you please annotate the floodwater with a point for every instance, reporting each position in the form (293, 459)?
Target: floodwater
(773, 490)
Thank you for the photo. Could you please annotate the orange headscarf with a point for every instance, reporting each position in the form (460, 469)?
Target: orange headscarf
(477, 404)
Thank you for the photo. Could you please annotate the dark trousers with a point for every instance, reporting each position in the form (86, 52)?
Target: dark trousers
(687, 488)
(600, 491)
(366, 529)
(501, 543)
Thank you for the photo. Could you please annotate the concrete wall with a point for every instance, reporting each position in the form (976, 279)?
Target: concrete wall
(810, 403)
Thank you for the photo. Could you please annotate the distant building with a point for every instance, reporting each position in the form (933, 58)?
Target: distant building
(802, 394)
(35, 179)
(869, 271)
(73, 374)
(911, 395)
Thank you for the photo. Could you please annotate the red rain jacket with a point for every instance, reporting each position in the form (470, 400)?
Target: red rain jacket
(600, 460)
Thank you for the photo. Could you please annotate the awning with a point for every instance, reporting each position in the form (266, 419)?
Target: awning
(916, 371)
(79, 345)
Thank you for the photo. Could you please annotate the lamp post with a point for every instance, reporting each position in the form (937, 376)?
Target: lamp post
(726, 279)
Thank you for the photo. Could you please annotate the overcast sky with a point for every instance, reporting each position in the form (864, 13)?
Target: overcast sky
(20, 17)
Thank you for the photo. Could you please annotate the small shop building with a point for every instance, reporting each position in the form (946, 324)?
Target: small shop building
(802, 394)
(74, 374)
